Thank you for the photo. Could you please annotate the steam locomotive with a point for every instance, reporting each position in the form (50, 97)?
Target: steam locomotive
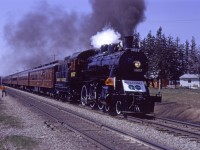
(111, 78)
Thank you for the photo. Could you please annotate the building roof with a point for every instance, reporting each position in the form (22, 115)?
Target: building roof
(190, 76)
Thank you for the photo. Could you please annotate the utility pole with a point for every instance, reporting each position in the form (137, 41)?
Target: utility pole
(54, 57)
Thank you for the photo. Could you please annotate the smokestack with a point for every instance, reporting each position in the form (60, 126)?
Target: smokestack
(131, 42)
(128, 42)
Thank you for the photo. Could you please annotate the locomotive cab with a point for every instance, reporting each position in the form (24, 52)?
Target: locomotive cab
(69, 77)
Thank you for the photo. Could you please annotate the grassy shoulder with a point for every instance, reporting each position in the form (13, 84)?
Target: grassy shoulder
(181, 104)
(13, 141)
(17, 142)
(9, 121)
(182, 96)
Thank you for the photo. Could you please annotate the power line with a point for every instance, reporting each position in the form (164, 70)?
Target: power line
(173, 21)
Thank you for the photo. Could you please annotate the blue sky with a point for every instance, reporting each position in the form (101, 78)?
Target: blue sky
(177, 18)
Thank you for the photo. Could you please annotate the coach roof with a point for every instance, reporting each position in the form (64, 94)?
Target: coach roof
(190, 76)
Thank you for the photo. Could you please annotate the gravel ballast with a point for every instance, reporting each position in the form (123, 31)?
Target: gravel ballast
(33, 126)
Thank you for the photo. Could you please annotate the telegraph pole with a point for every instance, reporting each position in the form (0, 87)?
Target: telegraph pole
(54, 57)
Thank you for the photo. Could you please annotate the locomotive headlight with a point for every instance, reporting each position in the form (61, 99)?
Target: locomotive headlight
(137, 64)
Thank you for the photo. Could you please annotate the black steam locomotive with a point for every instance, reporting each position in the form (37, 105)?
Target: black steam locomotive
(111, 78)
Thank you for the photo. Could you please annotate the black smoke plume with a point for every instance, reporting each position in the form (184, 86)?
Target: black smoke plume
(122, 15)
(49, 30)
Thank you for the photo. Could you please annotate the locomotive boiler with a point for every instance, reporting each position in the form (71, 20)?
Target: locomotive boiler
(114, 80)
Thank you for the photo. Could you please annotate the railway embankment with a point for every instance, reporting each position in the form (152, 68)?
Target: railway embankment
(180, 104)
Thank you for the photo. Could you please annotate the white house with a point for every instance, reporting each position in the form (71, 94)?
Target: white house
(190, 80)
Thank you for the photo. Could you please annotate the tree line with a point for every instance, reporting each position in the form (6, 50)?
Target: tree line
(168, 57)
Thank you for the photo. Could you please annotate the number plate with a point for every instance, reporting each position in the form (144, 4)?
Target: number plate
(133, 86)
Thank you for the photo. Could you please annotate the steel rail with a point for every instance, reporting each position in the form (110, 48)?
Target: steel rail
(64, 124)
(167, 127)
(180, 122)
(137, 138)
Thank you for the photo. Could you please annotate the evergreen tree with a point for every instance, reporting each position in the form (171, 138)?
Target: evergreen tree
(181, 65)
(187, 58)
(148, 47)
(160, 54)
(173, 60)
(169, 58)
(136, 38)
(193, 57)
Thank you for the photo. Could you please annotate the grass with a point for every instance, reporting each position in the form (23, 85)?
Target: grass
(8, 120)
(182, 96)
(17, 142)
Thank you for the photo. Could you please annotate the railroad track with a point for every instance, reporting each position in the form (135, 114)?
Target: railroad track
(186, 124)
(178, 128)
(100, 135)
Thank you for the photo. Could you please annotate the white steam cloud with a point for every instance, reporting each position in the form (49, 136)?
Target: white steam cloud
(106, 36)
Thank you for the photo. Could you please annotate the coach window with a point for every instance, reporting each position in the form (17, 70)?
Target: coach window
(36, 77)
